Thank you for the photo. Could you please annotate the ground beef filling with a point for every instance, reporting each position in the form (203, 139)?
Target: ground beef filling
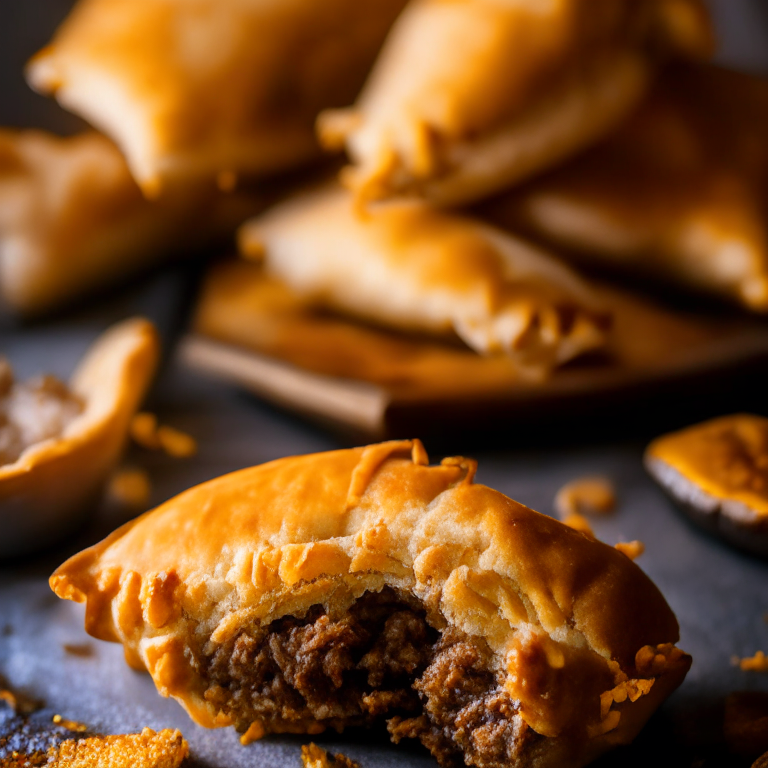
(381, 660)
(32, 411)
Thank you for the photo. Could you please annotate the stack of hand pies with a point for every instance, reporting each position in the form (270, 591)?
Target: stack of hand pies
(491, 145)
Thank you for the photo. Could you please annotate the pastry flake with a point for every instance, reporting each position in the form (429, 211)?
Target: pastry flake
(72, 218)
(586, 495)
(48, 487)
(211, 89)
(342, 588)
(717, 472)
(509, 88)
(678, 193)
(410, 267)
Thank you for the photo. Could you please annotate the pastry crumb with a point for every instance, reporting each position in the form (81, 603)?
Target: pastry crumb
(70, 725)
(20, 704)
(130, 487)
(148, 433)
(579, 523)
(148, 749)
(761, 762)
(176, 443)
(745, 725)
(756, 663)
(632, 549)
(143, 430)
(652, 661)
(84, 650)
(313, 756)
(586, 496)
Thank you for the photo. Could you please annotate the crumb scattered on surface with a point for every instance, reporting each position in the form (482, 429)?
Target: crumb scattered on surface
(756, 663)
(70, 725)
(148, 433)
(745, 726)
(20, 704)
(130, 487)
(83, 650)
(313, 756)
(579, 523)
(148, 749)
(176, 443)
(143, 430)
(632, 549)
(586, 496)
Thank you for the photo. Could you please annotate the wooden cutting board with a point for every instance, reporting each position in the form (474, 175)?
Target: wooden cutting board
(253, 331)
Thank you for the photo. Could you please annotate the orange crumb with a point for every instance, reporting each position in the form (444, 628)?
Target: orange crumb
(579, 523)
(756, 663)
(632, 549)
(610, 723)
(629, 689)
(761, 762)
(176, 443)
(130, 487)
(654, 660)
(144, 430)
(10, 699)
(254, 733)
(166, 749)
(313, 756)
(70, 725)
(78, 649)
(586, 496)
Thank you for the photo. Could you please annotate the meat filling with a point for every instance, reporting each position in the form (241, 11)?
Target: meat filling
(32, 411)
(379, 661)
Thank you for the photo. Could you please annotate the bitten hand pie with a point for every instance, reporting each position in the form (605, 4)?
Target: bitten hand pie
(717, 472)
(51, 472)
(472, 96)
(73, 219)
(680, 192)
(190, 88)
(409, 266)
(341, 588)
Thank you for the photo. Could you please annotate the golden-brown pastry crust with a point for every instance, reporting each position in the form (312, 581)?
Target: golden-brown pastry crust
(49, 488)
(409, 266)
(242, 307)
(190, 88)
(508, 89)
(72, 218)
(569, 619)
(679, 192)
(718, 472)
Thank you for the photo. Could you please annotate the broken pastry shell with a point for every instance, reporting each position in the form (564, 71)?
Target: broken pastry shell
(717, 474)
(52, 485)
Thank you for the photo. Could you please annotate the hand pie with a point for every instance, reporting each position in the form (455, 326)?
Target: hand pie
(342, 588)
(73, 219)
(190, 88)
(472, 96)
(411, 267)
(717, 472)
(680, 192)
(59, 443)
